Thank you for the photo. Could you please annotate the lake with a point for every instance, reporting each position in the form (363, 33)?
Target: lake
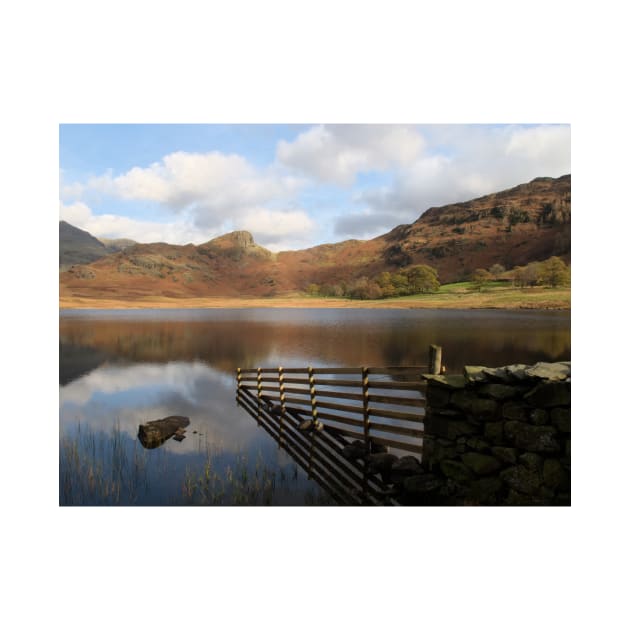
(119, 369)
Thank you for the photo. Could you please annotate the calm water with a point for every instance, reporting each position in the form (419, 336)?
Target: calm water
(119, 369)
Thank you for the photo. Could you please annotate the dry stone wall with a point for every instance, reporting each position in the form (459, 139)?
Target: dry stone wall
(500, 436)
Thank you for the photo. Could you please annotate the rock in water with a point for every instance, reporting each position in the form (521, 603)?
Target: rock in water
(155, 433)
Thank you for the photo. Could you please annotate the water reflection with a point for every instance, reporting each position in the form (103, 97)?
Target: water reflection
(122, 369)
(229, 338)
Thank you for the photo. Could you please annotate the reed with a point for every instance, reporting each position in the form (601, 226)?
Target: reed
(110, 468)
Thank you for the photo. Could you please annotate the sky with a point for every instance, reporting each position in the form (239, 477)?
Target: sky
(292, 186)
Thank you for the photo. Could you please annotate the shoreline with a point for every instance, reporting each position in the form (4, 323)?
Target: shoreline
(531, 301)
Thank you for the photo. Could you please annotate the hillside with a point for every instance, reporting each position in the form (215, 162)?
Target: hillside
(513, 227)
(77, 247)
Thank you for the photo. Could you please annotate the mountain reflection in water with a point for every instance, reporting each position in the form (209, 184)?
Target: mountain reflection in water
(122, 369)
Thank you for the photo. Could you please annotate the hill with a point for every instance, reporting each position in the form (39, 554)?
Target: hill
(77, 247)
(512, 227)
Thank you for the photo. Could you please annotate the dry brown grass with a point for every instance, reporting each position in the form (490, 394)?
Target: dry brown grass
(504, 298)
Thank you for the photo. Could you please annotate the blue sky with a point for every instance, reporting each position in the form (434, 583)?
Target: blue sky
(292, 186)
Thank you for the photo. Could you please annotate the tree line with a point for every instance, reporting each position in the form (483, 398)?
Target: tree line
(553, 272)
(409, 281)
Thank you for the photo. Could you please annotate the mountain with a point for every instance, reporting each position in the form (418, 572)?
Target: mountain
(113, 245)
(512, 227)
(78, 247)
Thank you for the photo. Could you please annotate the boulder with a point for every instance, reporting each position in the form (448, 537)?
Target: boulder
(505, 454)
(381, 462)
(549, 371)
(154, 433)
(421, 484)
(549, 394)
(440, 380)
(481, 464)
(475, 373)
(522, 479)
(555, 476)
(493, 432)
(514, 411)
(561, 419)
(499, 391)
(538, 417)
(532, 438)
(456, 470)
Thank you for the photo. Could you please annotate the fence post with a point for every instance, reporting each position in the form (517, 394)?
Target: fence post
(282, 402)
(239, 377)
(311, 384)
(366, 408)
(259, 390)
(281, 388)
(435, 359)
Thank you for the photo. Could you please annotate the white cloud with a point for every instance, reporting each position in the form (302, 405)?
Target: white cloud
(211, 187)
(78, 213)
(278, 229)
(275, 229)
(117, 226)
(337, 153)
(460, 162)
(209, 194)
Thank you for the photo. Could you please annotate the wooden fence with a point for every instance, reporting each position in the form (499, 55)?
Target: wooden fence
(321, 455)
(377, 405)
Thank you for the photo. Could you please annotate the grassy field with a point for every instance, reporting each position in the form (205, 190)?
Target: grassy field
(458, 295)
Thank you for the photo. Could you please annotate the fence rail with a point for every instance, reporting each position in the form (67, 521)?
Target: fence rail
(377, 405)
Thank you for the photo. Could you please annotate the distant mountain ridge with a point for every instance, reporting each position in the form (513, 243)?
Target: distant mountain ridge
(78, 247)
(513, 227)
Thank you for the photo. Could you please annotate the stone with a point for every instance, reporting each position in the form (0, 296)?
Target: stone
(381, 462)
(532, 438)
(549, 371)
(522, 479)
(456, 470)
(531, 461)
(354, 450)
(550, 394)
(447, 413)
(505, 454)
(454, 381)
(538, 417)
(500, 374)
(481, 464)
(517, 498)
(463, 399)
(514, 411)
(477, 444)
(498, 391)
(438, 397)
(458, 428)
(406, 466)
(561, 419)
(493, 432)
(475, 373)
(487, 490)
(421, 484)
(484, 409)
(154, 433)
(437, 450)
(555, 476)
(517, 371)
